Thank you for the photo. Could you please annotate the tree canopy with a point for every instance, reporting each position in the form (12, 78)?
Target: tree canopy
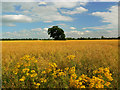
(56, 33)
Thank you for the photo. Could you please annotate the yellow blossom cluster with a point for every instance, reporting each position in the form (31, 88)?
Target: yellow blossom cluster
(94, 82)
(15, 71)
(28, 58)
(54, 71)
(26, 70)
(105, 72)
(70, 57)
(80, 82)
(29, 73)
(22, 79)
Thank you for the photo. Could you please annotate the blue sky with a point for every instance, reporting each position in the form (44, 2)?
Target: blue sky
(77, 19)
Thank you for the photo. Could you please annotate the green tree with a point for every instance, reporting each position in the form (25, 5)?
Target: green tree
(102, 37)
(56, 33)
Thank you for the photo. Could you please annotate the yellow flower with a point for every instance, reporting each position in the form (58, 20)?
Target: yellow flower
(80, 83)
(34, 83)
(18, 63)
(101, 70)
(48, 70)
(33, 58)
(42, 80)
(100, 76)
(58, 70)
(72, 70)
(107, 69)
(38, 84)
(35, 61)
(74, 76)
(107, 84)
(80, 78)
(45, 80)
(110, 78)
(15, 72)
(76, 81)
(61, 74)
(18, 66)
(21, 79)
(70, 57)
(37, 87)
(54, 64)
(27, 65)
(27, 74)
(83, 76)
(55, 76)
(26, 69)
(32, 71)
(43, 72)
(33, 75)
(85, 80)
(67, 68)
(83, 86)
(95, 71)
(91, 85)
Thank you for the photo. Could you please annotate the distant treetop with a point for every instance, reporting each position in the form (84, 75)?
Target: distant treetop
(56, 33)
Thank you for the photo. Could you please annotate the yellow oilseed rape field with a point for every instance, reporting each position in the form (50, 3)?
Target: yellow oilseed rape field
(60, 64)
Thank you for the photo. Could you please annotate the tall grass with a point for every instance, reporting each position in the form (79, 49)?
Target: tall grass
(89, 55)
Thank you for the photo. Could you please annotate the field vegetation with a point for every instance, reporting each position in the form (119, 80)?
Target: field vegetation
(60, 64)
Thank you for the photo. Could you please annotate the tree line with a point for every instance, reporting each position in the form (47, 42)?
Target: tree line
(69, 38)
(57, 33)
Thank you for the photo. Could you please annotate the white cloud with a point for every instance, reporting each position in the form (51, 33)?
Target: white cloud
(47, 21)
(110, 16)
(38, 11)
(16, 18)
(65, 4)
(78, 34)
(61, 0)
(72, 28)
(107, 0)
(87, 31)
(34, 33)
(45, 29)
(98, 28)
(75, 11)
(37, 29)
(9, 24)
(83, 3)
(42, 3)
(82, 33)
(10, 19)
(47, 13)
(74, 34)
(84, 28)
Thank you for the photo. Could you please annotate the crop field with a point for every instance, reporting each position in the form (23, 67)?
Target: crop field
(60, 64)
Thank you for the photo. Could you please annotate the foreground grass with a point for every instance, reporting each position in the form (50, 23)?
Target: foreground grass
(89, 55)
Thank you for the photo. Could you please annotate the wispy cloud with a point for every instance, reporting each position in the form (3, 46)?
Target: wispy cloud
(111, 18)
(34, 12)
(75, 11)
(10, 19)
(72, 28)
(33, 33)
